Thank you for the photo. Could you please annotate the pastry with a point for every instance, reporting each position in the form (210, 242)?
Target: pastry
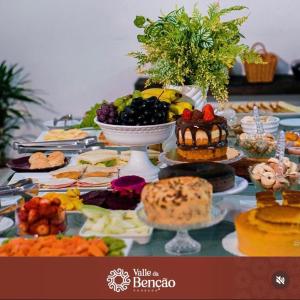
(178, 201)
(220, 176)
(291, 198)
(266, 198)
(56, 158)
(201, 135)
(62, 135)
(275, 175)
(275, 107)
(39, 160)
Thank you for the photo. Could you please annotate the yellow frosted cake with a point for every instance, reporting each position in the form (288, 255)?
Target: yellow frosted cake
(269, 231)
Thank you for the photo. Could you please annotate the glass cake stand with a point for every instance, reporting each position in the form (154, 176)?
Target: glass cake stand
(183, 243)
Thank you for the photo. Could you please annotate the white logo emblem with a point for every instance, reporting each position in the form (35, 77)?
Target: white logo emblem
(118, 280)
(280, 280)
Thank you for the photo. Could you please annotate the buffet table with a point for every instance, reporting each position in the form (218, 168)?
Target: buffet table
(210, 238)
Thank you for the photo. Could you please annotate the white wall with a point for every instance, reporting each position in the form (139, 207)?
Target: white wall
(75, 50)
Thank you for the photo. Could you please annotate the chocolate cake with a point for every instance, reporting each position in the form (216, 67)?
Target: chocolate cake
(201, 135)
(220, 176)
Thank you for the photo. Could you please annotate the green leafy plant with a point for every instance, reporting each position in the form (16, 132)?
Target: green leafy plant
(199, 49)
(13, 99)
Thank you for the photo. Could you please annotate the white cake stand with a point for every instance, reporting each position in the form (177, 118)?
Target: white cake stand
(138, 138)
(182, 243)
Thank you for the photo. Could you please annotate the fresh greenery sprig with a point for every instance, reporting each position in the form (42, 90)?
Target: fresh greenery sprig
(180, 49)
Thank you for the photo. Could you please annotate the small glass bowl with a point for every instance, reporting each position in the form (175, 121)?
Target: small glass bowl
(32, 223)
(287, 183)
(257, 146)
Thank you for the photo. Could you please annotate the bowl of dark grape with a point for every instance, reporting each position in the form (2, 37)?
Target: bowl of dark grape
(142, 123)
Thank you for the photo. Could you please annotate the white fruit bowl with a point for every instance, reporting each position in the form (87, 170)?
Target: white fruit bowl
(138, 138)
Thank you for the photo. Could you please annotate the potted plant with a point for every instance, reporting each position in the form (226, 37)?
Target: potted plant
(13, 99)
(192, 53)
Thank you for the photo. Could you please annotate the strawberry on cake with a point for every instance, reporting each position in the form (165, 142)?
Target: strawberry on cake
(201, 135)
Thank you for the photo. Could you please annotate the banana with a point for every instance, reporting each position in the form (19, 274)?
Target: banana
(167, 95)
(171, 116)
(178, 107)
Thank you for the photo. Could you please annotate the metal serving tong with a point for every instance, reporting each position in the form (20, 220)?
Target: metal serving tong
(66, 146)
(64, 118)
(18, 188)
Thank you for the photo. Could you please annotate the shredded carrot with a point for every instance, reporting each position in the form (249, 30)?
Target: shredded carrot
(53, 246)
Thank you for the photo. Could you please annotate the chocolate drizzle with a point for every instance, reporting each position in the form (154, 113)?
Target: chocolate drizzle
(207, 127)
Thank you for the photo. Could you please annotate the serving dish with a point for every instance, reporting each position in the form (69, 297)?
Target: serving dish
(171, 157)
(230, 244)
(22, 164)
(137, 138)
(126, 250)
(275, 108)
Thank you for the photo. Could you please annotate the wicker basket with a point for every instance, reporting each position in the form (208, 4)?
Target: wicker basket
(261, 72)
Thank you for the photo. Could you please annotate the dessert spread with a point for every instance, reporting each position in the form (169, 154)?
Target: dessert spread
(220, 176)
(201, 135)
(275, 176)
(271, 230)
(178, 201)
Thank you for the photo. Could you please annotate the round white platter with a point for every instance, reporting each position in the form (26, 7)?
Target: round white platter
(293, 122)
(230, 244)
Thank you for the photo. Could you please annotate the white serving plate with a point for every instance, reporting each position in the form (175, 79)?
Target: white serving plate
(294, 122)
(92, 132)
(126, 250)
(230, 244)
